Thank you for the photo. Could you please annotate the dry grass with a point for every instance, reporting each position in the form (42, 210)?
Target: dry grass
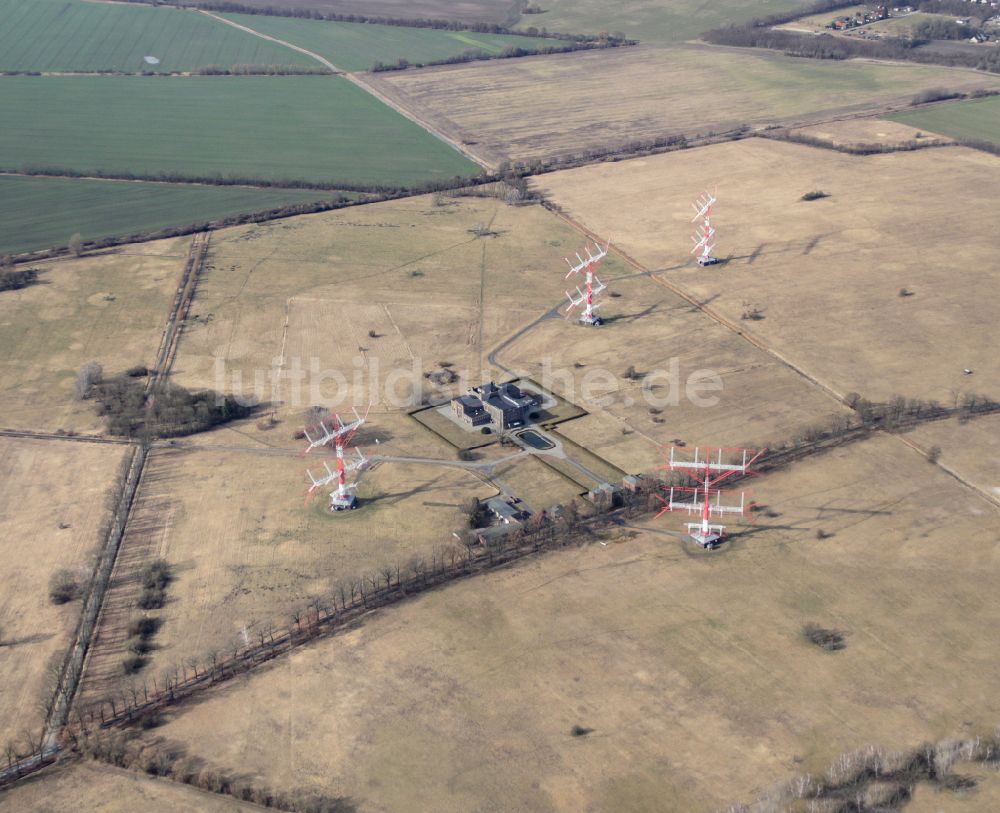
(826, 273)
(558, 105)
(246, 548)
(539, 485)
(854, 132)
(310, 290)
(104, 789)
(651, 328)
(110, 308)
(971, 450)
(690, 668)
(51, 509)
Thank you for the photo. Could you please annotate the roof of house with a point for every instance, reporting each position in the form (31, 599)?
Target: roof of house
(503, 509)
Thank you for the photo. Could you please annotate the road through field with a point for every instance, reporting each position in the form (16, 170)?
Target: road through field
(357, 80)
(322, 60)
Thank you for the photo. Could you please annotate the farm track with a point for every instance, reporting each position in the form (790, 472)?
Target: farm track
(355, 78)
(113, 566)
(322, 60)
(167, 351)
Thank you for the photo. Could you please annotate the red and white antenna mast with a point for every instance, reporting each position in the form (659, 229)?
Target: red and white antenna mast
(339, 434)
(709, 468)
(704, 235)
(594, 286)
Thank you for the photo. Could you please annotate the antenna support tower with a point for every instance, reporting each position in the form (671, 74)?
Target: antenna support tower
(708, 468)
(593, 286)
(704, 235)
(333, 430)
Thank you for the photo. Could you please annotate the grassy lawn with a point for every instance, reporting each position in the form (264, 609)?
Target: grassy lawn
(357, 46)
(663, 22)
(263, 127)
(977, 119)
(41, 212)
(70, 35)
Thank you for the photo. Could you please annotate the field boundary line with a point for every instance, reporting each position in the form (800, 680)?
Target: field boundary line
(29, 434)
(388, 101)
(322, 60)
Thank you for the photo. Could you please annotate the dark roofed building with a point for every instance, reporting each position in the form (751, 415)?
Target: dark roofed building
(470, 409)
(503, 405)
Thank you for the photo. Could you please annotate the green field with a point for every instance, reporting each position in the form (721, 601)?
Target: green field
(659, 22)
(975, 120)
(309, 128)
(357, 46)
(40, 212)
(75, 36)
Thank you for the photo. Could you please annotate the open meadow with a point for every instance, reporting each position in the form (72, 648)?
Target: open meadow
(878, 288)
(561, 105)
(326, 130)
(358, 46)
(971, 450)
(106, 789)
(685, 675)
(675, 352)
(246, 548)
(41, 212)
(973, 119)
(354, 307)
(51, 511)
(109, 307)
(78, 36)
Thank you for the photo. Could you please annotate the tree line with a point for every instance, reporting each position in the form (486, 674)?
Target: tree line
(352, 598)
(170, 760)
(873, 779)
(224, 6)
(510, 52)
(207, 70)
(828, 46)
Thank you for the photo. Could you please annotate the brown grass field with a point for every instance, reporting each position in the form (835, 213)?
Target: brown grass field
(559, 105)
(971, 450)
(651, 328)
(104, 789)
(51, 509)
(828, 273)
(855, 132)
(247, 549)
(109, 308)
(310, 291)
(689, 668)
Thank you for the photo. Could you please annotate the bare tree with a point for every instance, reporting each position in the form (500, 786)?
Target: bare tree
(90, 375)
(75, 244)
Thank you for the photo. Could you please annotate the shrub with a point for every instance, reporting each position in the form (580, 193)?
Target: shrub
(133, 663)
(139, 371)
(933, 95)
(829, 639)
(816, 194)
(145, 627)
(11, 280)
(63, 587)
